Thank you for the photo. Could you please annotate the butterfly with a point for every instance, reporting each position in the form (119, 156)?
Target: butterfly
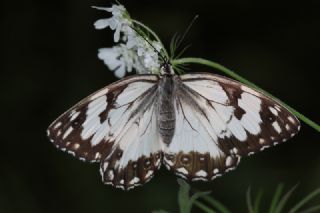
(197, 125)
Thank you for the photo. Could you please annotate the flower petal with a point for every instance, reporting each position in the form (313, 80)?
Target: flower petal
(120, 72)
(110, 57)
(102, 23)
(116, 36)
(108, 9)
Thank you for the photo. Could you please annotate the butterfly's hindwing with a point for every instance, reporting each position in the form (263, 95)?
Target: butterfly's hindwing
(194, 152)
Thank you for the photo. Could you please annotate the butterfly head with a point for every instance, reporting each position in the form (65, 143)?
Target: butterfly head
(166, 68)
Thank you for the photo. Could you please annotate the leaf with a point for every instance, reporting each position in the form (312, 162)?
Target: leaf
(197, 195)
(276, 197)
(183, 51)
(183, 197)
(284, 200)
(257, 202)
(173, 45)
(185, 201)
(249, 201)
(312, 209)
(305, 200)
(204, 207)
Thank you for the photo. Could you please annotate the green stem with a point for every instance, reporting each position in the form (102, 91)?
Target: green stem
(245, 81)
(152, 33)
(204, 207)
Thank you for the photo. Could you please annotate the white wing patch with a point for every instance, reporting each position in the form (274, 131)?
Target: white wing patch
(252, 106)
(132, 92)
(211, 90)
(92, 123)
(236, 129)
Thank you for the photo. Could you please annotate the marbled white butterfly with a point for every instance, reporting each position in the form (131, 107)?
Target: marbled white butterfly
(197, 125)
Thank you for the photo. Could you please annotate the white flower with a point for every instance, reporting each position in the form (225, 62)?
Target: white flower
(116, 22)
(121, 60)
(133, 52)
(111, 58)
(149, 56)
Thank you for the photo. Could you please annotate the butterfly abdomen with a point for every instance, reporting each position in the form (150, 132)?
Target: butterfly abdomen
(167, 118)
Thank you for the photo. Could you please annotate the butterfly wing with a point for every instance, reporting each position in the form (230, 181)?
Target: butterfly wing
(117, 127)
(137, 153)
(218, 120)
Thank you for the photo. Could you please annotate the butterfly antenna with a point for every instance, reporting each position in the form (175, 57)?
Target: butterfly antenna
(187, 31)
(159, 53)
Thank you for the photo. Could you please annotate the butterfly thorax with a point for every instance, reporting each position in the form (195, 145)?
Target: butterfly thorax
(166, 115)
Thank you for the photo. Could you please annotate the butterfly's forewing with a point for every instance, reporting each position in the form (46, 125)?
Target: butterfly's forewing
(218, 120)
(110, 125)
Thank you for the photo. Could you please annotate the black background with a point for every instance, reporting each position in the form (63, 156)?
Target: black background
(50, 62)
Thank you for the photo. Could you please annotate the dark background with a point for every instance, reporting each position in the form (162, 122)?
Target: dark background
(50, 63)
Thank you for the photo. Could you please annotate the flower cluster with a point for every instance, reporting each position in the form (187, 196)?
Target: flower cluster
(132, 51)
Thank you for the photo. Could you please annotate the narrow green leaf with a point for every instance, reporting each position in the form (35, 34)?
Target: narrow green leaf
(257, 201)
(183, 197)
(216, 204)
(276, 198)
(312, 209)
(305, 200)
(183, 51)
(180, 68)
(245, 81)
(185, 201)
(249, 201)
(173, 45)
(197, 195)
(204, 207)
(283, 201)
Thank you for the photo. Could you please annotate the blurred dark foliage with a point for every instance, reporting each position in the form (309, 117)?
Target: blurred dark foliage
(50, 62)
